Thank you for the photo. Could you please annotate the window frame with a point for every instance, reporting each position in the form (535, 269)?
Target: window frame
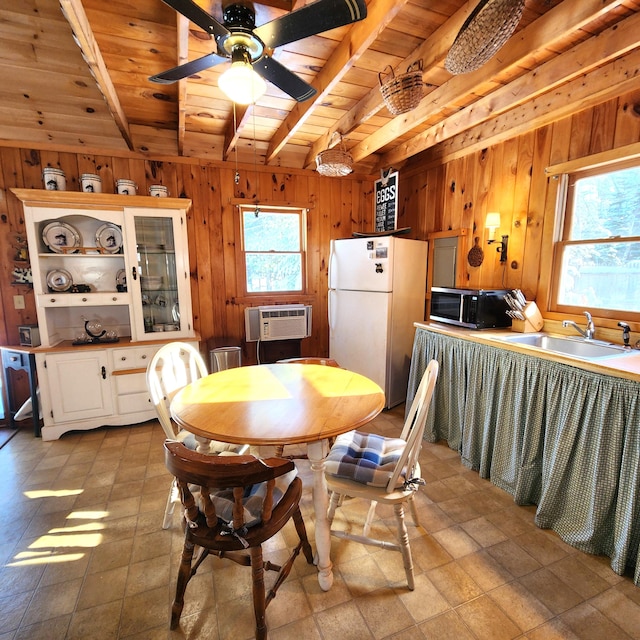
(241, 253)
(563, 221)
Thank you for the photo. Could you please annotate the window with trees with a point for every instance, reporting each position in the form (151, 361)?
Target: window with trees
(597, 253)
(273, 248)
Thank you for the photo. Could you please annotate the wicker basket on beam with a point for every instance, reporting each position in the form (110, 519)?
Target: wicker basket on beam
(484, 32)
(403, 92)
(336, 162)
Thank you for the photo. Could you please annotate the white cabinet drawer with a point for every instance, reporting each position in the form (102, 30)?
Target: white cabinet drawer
(130, 383)
(135, 403)
(131, 393)
(81, 299)
(133, 357)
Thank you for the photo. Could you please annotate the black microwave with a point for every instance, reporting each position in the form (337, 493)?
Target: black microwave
(471, 308)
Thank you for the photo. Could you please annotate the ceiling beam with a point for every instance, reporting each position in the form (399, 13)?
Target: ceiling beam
(83, 34)
(239, 118)
(543, 84)
(549, 28)
(360, 36)
(431, 52)
(182, 28)
(602, 84)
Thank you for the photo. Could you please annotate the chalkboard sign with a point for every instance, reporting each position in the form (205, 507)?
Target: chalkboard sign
(386, 192)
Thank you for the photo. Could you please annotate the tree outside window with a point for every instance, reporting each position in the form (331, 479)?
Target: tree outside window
(273, 248)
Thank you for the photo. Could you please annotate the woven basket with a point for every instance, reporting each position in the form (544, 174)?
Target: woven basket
(403, 92)
(488, 27)
(335, 162)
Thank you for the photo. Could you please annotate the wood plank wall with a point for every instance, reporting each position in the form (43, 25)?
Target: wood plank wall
(449, 189)
(446, 189)
(337, 207)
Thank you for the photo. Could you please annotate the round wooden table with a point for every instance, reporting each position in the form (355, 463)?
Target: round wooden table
(282, 404)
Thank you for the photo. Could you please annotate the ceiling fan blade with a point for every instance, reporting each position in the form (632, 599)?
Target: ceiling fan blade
(284, 79)
(188, 69)
(310, 20)
(198, 16)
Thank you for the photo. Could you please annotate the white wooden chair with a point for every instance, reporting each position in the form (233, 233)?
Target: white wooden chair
(385, 470)
(172, 368)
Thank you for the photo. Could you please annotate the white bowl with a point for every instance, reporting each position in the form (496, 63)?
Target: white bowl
(151, 283)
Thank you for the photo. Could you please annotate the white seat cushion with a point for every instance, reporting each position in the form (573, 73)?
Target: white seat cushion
(189, 441)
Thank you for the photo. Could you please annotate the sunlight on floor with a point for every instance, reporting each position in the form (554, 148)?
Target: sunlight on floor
(52, 547)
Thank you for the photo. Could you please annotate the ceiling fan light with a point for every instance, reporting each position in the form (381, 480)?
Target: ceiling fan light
(242, 84)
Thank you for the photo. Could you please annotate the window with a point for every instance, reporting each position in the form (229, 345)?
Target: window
(597, 258)
(273, 247)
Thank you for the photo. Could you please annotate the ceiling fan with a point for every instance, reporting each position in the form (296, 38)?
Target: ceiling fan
(239, 40)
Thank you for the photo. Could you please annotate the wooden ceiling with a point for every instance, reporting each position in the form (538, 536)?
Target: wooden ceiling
(74, 74)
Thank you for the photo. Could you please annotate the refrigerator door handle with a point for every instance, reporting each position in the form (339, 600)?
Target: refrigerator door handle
(329, 307)
(332, 254)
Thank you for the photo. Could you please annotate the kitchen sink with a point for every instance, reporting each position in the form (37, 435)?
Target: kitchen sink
(570, 346)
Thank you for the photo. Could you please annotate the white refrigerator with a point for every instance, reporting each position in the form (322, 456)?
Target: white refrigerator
(376, 292)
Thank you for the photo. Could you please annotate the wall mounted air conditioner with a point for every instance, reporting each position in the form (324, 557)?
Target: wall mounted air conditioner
(277, 322)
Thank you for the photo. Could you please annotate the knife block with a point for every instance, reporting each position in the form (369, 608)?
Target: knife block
(533, 320)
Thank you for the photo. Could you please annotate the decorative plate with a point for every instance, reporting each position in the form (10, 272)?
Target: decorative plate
(109, 238)
(121, 278)
(59, 280)
(60, 236)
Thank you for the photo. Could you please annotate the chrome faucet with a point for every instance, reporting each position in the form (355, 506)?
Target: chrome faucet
(587, 333)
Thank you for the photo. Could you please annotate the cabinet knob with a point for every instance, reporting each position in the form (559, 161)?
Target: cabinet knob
(84, 299)
(123, 358)
(13, 358)
(53, 299)
(114, 298)
(144, 357)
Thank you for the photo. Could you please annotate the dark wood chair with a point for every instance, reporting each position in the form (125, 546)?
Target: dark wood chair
(241, 502)
(329, 362)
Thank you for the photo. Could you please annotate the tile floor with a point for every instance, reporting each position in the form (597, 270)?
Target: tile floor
(84, 557)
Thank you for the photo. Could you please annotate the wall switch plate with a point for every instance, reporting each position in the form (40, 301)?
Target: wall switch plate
(18, 302)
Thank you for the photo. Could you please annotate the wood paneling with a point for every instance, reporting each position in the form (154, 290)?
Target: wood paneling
(337, 207)
(509, 177)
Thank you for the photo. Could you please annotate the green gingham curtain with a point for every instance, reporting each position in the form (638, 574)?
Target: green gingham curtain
(553, 435)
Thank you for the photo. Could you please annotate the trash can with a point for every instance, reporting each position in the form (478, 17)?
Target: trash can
(224, 358)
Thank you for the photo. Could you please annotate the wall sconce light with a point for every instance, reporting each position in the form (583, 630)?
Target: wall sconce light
(492, 223)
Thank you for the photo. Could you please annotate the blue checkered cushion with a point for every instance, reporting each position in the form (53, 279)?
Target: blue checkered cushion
(252, 499)
(365, 457)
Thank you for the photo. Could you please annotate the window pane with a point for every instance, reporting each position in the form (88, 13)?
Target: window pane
(606, 205)
(273, 272)
(271, 231)
(603, 276)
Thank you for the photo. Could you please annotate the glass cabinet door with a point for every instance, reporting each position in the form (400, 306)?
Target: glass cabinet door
(159, 274)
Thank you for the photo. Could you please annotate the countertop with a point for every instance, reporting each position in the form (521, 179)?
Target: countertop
(624, 366)
(124, 341)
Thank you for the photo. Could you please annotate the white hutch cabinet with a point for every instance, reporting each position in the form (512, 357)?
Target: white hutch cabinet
(111, 285)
